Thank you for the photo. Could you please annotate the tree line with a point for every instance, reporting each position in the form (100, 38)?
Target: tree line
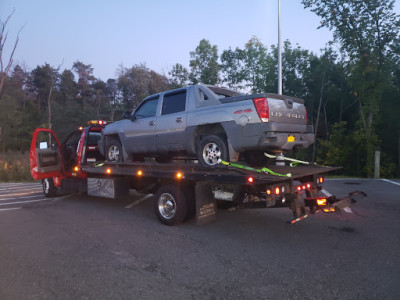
(352, 94)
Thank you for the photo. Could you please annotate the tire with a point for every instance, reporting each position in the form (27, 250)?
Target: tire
(256, 158)
(49, 190)
(211, 149)
(114, 150)
(170, 203)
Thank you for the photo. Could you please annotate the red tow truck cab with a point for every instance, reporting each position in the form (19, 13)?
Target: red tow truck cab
(49, 159)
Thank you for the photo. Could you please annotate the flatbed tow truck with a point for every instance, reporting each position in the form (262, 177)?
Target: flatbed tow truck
(181, 189)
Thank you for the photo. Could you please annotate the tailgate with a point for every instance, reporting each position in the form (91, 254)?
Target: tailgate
(286, 110)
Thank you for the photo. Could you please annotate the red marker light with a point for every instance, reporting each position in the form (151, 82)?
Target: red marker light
(299, 188)
(277, 191)
(250, 179)
(308, 185)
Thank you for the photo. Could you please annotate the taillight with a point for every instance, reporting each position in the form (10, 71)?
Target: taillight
(261, 105)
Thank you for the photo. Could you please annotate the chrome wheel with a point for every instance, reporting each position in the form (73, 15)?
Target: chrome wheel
(46, 186)
(113, 153)
(167, 206)
(211, 154)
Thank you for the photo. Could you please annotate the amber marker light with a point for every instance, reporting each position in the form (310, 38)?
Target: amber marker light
(108, 171)
(139, 173)
(76, 169)
(321, 202)
(179, 175)
(269, 192)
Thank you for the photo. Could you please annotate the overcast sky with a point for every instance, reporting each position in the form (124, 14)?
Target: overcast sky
(159, 33)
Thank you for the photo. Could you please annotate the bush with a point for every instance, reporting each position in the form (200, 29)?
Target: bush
(14, 167)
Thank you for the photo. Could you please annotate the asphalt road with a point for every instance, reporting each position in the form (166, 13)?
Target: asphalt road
(80, 247)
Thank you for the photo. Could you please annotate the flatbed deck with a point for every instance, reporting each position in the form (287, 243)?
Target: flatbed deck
(193, 171)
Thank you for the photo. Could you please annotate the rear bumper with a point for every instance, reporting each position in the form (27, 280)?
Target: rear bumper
(269, 136)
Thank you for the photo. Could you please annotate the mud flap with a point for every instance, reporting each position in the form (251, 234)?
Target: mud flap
(205, 203)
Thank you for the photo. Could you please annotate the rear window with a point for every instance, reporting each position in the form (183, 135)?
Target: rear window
(174, 103)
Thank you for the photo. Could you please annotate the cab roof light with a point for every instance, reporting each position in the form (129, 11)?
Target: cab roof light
(261, 105)
(97, 122)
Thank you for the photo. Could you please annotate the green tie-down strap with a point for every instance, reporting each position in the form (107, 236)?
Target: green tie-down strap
(262, 170)
(293, 162)
(99, 165)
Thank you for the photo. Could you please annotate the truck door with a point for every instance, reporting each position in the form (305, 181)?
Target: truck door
(171, 124)
(45, 155)
(140, 132)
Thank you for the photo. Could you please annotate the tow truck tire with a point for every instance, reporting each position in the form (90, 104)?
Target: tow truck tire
(170, 203)
(114, 150)
(49, 190)
(211, 149)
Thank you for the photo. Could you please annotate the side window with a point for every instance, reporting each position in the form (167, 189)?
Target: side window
(147, 109)
(46, 140)
(73, 139)
(174, 102)
(203, 96)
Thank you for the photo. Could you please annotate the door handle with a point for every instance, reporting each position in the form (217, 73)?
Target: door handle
(152, 123)
(179, 120)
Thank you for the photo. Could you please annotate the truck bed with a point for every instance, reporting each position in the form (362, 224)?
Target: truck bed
(195, 172)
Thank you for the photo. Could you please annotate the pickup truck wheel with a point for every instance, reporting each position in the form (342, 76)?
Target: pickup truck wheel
(114, 150)
(49, 190)
(171, 205)
(211, 149)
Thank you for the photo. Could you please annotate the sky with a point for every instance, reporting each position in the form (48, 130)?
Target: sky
(159, 33)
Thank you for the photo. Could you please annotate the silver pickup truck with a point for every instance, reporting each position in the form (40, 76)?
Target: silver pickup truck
(208, 123)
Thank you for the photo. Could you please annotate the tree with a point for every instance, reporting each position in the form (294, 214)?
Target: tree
(5, 67)
(85, 79)
(138, 82)
(204, 67)
(367, 32)
(252, 68)
(179, 76)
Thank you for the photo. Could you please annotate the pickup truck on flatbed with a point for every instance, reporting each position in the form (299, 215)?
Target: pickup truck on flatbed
(208, 123)
(180, 189)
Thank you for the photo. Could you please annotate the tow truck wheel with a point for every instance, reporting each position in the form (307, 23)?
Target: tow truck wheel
(171, 205)
(49, 190)
(114, 150)
(211, 149)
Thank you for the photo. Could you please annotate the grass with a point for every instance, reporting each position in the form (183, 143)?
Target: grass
(14, 167)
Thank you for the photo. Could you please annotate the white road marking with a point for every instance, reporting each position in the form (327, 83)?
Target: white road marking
(139, 201)
(30, 201)
(18, 194)
(390, 181)
(30, 197)
(12, 208)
